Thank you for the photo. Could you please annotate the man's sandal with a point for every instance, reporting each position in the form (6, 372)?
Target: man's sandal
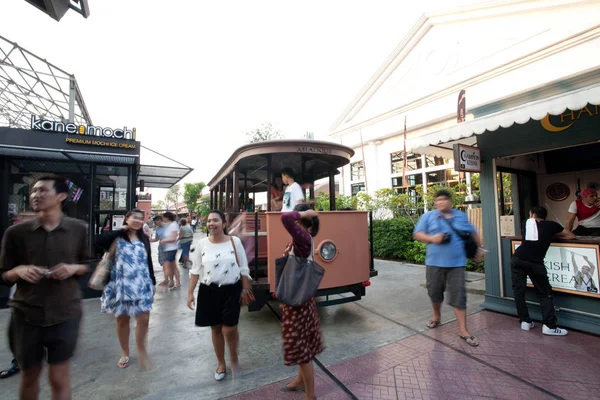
(470, 340)
(12, 369)
(431, 324)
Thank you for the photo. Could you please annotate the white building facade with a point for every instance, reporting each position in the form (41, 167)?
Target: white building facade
(503, 54)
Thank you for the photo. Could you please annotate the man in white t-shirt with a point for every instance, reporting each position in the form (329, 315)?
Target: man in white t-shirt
(587, 212)
(293, 193)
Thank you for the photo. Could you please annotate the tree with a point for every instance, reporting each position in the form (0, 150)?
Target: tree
(159, 205)
(172, 196)
(204, 207)
(265, 132)
(191, 193)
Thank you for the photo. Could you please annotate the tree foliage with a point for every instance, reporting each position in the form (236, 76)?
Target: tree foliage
(265, 132)
(159, 205)
(342, 202)
(191, 194)
(204, 207)
(173, 195)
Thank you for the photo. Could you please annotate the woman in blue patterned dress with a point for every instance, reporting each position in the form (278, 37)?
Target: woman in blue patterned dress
(130, 290)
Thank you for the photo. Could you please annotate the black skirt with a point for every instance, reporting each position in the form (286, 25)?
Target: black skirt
(218, 305)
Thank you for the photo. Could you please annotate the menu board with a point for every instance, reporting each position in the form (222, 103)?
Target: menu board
(572, 267)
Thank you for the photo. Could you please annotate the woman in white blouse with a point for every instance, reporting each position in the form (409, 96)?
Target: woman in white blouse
(221, 266)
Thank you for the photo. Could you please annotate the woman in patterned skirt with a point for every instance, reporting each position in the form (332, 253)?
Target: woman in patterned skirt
(130, 290)
(300, 326)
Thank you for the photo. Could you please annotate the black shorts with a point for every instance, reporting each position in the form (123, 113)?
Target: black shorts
(30, 344)
(218, 305)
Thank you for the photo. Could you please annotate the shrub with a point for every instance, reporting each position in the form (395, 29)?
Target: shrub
(392, 239)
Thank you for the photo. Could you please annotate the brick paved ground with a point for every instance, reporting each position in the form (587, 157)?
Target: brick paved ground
(509, 364)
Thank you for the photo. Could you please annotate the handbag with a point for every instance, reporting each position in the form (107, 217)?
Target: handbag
(101, 275)
(297, 279)
(467, 238)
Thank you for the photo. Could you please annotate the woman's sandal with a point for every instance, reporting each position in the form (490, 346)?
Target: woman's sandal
(431, 324)
(286, 388)
(123, 362)
(470, 340)
(12, 369)
(219, 376)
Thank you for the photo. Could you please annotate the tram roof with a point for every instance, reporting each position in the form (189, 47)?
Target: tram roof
(251, 159)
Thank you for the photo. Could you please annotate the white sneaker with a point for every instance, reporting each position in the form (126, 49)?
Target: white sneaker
(526, 325)
(554, 332)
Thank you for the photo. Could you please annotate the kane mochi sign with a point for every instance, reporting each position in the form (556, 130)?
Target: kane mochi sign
(86, 130)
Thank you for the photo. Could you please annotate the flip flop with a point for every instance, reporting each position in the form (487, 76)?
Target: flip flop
(286, 388)
(13, 369)
(472, 342)
(123, 362)
(431, 324)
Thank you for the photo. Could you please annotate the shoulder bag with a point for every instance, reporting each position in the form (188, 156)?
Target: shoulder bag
(101, 275)
(297, 279)
(467, 238)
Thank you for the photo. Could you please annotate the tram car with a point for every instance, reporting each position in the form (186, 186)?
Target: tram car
(343, 246)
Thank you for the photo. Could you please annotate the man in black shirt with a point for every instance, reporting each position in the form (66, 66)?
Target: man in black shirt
(528, 260)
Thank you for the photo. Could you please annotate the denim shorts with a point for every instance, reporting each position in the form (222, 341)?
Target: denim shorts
(185, 249)
(170, 255)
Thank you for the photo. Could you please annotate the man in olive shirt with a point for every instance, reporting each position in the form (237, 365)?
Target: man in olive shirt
(44, 256)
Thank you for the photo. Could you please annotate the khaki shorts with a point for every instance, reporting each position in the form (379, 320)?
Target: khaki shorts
(452, 279)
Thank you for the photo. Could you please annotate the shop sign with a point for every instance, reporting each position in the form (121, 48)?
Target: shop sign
(101, 143)
(559, 123)
(467, 158)
(86, 130)
(572, 267)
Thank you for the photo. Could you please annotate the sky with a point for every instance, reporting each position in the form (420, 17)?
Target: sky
(194, 76)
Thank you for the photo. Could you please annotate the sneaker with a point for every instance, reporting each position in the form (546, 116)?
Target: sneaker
(554, 332)
(526, 325)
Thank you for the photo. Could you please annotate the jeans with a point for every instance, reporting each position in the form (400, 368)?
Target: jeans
(539, 277)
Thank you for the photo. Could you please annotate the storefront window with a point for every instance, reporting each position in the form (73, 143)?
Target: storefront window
(25, 172)
(413, 162)
(434, 161)
(112, 183)
(357, 171)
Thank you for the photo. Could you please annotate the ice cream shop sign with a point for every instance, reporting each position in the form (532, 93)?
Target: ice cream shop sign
(39, 124)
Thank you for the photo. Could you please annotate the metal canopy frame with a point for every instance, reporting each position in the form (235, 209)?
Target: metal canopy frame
(30, 85)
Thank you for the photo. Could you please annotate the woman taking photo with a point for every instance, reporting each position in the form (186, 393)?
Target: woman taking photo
(221, 267)
(277, 193)
(300, 326)
(130, 290)
(186, 235)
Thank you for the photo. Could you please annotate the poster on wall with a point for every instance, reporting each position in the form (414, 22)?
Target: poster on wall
(117, 222)
(572, 267)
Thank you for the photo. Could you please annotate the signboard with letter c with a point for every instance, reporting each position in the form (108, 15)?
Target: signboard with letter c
(467, 158)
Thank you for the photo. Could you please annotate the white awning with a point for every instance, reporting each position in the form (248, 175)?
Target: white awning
(537, 110)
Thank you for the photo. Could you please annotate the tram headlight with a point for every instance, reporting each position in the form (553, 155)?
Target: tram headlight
(328, 251)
